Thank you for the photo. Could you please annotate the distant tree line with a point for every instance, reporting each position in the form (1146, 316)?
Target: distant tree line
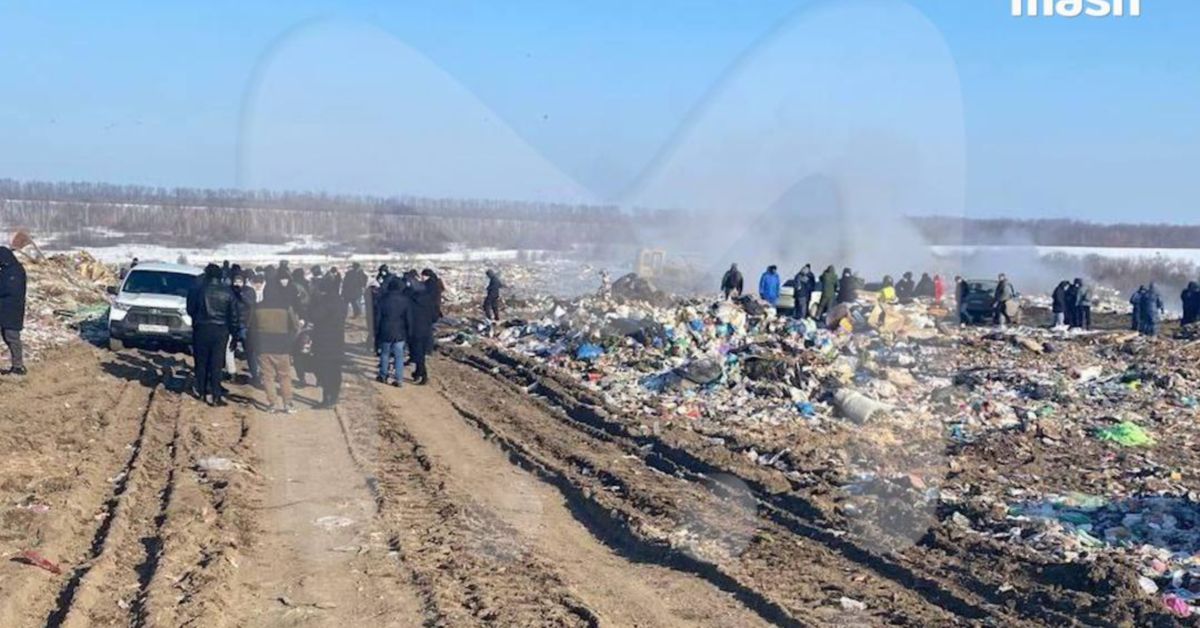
(202, 217)
(952, 230)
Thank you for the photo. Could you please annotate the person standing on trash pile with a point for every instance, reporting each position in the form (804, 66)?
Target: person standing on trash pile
(354, 288)
(829, 282)
(391, 330)
(273, 329)
(1083, 304)
(731, 282)
(887, 293)
(1071, 313)
(1058, 303)
(905, 288)
(243, 310)
(1135, 312)
(961, 291)
(1151, 307)
(491, 298)
(210, 305)
(1004, 293)
(768, 285)
(924, 287)
(1191, 303)
(939, 289)
(847, 287)
(803, 285)
(328, 338)
(422, 313)
(13, 284)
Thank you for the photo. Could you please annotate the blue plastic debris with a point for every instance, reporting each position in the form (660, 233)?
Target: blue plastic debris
(588, 351)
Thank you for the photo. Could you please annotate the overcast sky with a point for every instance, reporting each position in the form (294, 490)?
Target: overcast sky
(930, 106)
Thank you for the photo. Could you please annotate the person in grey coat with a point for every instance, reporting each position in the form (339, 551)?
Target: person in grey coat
(1083, 304)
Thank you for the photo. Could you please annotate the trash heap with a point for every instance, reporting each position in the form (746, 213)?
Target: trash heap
(1072, 445)
(65, 293)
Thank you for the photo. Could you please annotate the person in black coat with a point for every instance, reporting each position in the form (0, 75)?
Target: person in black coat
(731, 282)
(847, 287)
(1058, 303)
(1191, 303)
(1071, 314)
(328, 336)
(803, 285)
(491, 300)
(12, 308)
(243, 312)
(438, 287)
(422, 312)
(905, 289)
(354, 287)
(391, 329)
(210, 304)
(924, 287)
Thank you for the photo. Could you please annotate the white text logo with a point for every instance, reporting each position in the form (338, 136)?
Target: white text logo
(1075, 8)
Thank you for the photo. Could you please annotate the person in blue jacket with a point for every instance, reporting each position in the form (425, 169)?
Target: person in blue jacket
(768, 285)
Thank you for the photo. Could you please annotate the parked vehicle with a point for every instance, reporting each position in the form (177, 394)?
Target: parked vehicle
(981, 300)
(151, 305)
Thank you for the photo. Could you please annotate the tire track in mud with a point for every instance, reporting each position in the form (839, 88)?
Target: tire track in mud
(63, 534)
(941, 571)
(467, 565)
(114, 507)
(818, 546)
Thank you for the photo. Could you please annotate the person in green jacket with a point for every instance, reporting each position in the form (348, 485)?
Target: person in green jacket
(829, 282)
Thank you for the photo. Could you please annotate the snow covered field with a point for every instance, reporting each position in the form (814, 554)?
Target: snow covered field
(1186, 255)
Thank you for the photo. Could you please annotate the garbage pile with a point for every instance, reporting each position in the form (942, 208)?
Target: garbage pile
(1074, 445)
(64, 293)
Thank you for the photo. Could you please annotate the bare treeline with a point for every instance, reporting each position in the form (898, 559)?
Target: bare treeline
(200, 217)
(951, 230)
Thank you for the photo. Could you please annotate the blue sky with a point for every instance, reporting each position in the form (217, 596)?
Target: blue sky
(1094, 118)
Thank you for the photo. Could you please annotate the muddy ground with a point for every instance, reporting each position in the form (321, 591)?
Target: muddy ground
(499, 495)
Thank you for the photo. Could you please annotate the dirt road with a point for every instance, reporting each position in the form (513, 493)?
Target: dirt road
(498, 495)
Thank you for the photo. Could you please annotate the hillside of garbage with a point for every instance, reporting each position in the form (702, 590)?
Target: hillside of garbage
(1067, 447)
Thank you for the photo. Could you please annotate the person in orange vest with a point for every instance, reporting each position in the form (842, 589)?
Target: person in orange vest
(939, 288)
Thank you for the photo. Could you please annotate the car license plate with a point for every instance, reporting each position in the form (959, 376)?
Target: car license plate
(154, 329)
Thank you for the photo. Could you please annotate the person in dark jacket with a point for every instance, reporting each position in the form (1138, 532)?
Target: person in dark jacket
(847, 287)
(1191, 303)
(438, 288)
(210, 304)
(1083, 304)
(391, 330)
(829, 282)
(354, 287)
(803, 285)
(905, 289)
(12, 308)
(1135, 313)
(731, 282)
(962, 290)
(924, 287)
(491, 301)
(243, 310)
(328, 338)
(1151, 310)
(301, 293)
(273, 330)
(1058, 303)
(422, 312)
(1071, 313)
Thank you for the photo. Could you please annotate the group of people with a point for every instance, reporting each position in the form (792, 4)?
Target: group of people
(1071, 304)
(834, 289)
(288, 321)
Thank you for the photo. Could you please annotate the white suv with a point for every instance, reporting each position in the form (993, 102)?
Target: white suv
(151, 305)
